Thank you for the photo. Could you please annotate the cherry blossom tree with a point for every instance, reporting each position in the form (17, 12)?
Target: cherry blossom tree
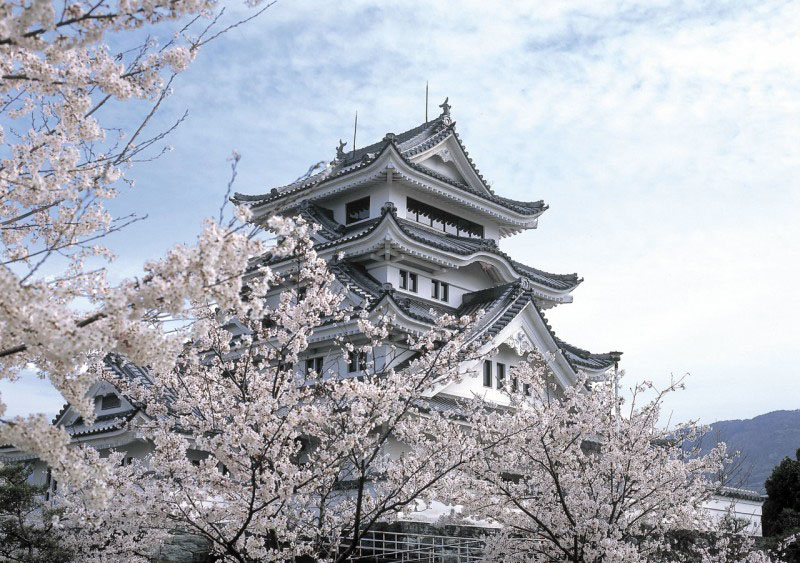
(572, 478)
(61, 157)
(263, 461)
(269, 462)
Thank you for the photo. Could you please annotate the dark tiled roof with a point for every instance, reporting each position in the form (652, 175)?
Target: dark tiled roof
(421, 135)
(328, 228)
(556, 281)
(118, 420)
(444, 241)
(503, 303)
(746, 494)
(462, 246)
(408, 143)
(500, 304)
(420, 309)
(356, 278)
(588, 360)
(524, 207)
(61, 413)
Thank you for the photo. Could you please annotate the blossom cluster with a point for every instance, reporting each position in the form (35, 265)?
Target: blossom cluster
(61, 159)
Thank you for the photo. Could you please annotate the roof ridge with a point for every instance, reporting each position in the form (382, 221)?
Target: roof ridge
(399, 138)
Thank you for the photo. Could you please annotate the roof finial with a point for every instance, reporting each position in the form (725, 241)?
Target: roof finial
(445, 106)
(355, 130)
(340, 150)
(426, 101)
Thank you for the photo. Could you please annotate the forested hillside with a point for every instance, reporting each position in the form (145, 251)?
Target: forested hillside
(763, 442)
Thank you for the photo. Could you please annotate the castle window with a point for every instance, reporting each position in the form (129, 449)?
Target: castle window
(501, 375)
(314, 364)
(487, 373)
(51, 485)
(356, 361)
(408, 281)
(108, 402)
(440, 290)
(442, 220)
(357, 210)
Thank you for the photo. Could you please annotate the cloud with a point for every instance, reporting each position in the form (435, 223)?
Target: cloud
(662, 134)
(30, 394)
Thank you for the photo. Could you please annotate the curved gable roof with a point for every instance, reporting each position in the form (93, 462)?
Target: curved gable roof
(445, 242)
(407, 144)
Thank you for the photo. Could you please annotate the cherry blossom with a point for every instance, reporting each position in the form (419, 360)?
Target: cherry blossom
(59, 163)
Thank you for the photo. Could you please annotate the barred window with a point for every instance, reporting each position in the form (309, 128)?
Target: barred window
(442, 220)
(108, 402)
(357, 210)
(314, 364)
(440, 290)
(408, 281)
(487, 373)
(356, 361)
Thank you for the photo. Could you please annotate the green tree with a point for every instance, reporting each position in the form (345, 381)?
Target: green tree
(781, 512)
(27, 530)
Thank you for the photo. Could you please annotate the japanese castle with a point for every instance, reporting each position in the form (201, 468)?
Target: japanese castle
(410, 227)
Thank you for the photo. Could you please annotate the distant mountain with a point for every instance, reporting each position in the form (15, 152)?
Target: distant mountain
(763, 442)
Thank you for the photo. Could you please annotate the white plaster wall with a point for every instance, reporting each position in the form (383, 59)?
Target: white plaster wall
(401, 195)
(395, 448)
(750, 510)
(447, 169)
(472, 382)
(464, 280)
(378, 196)
(338, 203)
(381, 272)
(137, 450)
(397, 192)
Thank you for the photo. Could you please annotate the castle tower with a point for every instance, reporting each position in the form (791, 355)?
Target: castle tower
(410, 227)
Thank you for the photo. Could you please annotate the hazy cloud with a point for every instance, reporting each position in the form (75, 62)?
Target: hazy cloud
(663, 135)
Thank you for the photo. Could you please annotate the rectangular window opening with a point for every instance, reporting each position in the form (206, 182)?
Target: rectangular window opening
(442, 220)
(501, 375)
(440, 290)
(357, 210)
(314, 364)
(408, 281)
(356, 361)
(487, 373)
(110, 401)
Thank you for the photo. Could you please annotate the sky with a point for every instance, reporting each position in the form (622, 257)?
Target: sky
(664, 136)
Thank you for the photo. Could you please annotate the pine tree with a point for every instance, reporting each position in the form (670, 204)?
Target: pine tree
(27, 526)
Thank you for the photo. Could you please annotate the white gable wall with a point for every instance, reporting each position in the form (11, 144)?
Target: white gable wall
(447, 169)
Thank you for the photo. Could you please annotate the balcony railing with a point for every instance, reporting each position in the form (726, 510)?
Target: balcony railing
(383, 547)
